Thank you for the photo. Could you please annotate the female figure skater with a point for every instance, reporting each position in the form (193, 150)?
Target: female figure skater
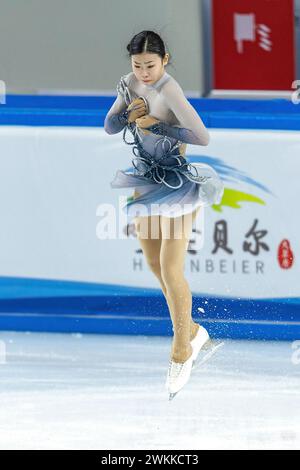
(152, 106)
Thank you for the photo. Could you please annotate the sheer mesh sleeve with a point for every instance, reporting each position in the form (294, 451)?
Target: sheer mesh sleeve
(192, 130)
(117, 116)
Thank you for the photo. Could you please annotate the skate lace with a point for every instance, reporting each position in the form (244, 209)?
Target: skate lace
(175, 368)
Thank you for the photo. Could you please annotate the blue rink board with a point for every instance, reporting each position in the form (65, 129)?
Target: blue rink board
(67, 306)
(90, 111)
(62, 306)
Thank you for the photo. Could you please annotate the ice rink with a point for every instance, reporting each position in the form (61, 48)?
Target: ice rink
(73, 391)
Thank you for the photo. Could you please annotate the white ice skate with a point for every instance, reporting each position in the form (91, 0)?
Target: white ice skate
(202, 342)
(178, 375)
(201, 338)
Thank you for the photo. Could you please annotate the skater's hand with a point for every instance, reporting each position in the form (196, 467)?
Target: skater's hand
(146, 121)
(139, 110)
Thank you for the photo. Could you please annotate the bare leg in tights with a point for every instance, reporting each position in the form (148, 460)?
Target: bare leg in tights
(165, 255)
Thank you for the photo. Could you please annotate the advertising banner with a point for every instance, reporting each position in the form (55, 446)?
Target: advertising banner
(253, 44)
(67, 249)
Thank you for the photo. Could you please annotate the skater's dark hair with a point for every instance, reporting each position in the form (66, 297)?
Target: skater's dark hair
(147, 41)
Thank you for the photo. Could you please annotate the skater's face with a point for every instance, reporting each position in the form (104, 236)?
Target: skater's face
(148, 67)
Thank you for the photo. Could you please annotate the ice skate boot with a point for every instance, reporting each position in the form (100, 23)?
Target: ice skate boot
(201, 339)
(178, 375)
(208, 347)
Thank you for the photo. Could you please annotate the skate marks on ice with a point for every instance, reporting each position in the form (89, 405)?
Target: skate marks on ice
(62, 391)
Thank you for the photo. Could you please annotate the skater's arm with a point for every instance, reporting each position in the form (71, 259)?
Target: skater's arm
(115, 121)
(117, 117)
(192, 130)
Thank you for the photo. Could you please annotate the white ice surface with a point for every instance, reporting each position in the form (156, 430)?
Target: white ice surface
(68, 391)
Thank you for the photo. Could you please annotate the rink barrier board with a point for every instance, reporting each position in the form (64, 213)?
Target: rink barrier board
(90, 111)
(150, 326)
(249, 318)
(79, 307)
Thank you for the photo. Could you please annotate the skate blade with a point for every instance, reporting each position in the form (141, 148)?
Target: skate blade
(206, 347)
(209, 349)
(172, 395)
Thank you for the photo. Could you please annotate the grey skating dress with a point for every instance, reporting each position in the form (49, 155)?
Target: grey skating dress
(167, 183)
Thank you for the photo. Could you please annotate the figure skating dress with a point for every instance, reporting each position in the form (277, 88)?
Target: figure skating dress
(166, 182)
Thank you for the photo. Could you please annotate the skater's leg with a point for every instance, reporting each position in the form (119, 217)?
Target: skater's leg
(151, 250)
(149, 235)
(175, 238)
(150, 246)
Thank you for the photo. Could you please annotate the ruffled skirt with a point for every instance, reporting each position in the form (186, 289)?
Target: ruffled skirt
(157, 198)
